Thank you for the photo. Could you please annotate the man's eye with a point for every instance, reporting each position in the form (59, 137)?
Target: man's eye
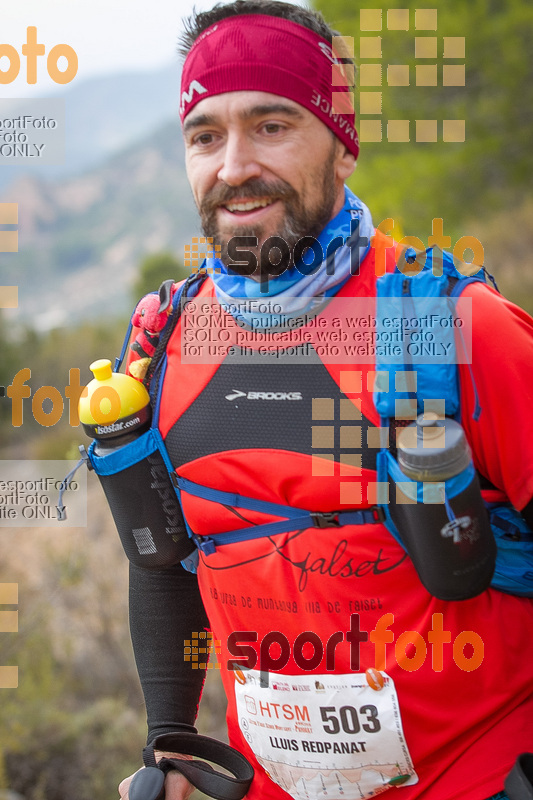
(272, 127)
(203, 138)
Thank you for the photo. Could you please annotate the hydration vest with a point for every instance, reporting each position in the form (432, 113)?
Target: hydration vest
(426, 288)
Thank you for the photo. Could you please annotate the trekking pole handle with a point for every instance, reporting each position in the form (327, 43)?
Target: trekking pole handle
(148, 784)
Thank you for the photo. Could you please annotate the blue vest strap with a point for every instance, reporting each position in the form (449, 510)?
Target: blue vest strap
(237, 500)
(313, 519)
(296, 518)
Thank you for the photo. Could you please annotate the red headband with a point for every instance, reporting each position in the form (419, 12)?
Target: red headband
(257, 52)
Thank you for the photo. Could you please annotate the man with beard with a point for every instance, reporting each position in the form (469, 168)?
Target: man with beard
(295, 219)
(325, 630)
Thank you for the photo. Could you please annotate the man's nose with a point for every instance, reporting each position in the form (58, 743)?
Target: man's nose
(240, 162)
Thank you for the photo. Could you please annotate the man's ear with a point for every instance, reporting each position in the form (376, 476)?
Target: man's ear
(345, 163)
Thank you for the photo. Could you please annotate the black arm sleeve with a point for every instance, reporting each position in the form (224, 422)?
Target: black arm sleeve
(165, 609)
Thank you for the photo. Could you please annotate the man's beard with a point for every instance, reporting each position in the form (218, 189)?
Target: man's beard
(298, 221)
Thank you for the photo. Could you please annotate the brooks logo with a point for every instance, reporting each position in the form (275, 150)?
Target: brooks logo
(264, 395)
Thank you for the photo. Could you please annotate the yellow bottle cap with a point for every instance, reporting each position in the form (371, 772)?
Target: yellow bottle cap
(101, 369)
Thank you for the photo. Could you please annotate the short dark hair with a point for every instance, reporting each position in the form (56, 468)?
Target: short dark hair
(197, 23)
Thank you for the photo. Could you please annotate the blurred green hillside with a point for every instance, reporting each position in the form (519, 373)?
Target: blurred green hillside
(492, 168)
(481, 186)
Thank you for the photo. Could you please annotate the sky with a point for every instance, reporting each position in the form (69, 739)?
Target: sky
(107, 35)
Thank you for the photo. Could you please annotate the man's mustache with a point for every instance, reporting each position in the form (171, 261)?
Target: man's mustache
(222, 194)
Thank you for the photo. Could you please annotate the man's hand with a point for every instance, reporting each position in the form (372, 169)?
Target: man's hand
(176, 786)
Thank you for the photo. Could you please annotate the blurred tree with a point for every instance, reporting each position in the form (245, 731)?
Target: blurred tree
(50, 357)
(492, 169)
(154, 269)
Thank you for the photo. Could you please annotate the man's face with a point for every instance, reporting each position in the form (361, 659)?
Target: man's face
(262, 165)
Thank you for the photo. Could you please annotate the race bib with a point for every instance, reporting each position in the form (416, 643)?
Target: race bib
(325, 735)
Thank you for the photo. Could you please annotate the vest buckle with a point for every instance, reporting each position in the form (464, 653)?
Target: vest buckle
(206, 544)
(325, 519)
